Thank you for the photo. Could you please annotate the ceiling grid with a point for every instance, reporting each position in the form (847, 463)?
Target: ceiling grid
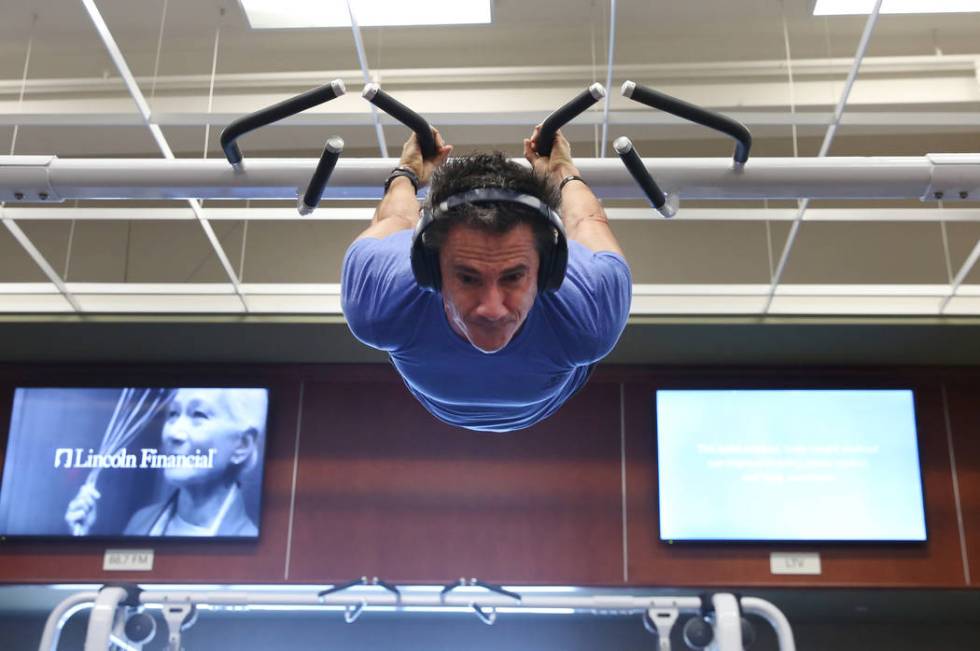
(485, 87)
(144, 109)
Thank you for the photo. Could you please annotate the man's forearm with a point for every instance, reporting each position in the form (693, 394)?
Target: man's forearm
(579, 204)
(399, 205)
(584, 217)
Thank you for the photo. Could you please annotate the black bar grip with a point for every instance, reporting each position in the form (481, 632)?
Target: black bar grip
(564, 115)
(666, 206)
(314, 191)
(423, 131)
(688, 111)
(274, 113)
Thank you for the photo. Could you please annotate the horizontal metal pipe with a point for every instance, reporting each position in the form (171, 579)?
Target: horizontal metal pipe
(955, 177)
(431, 599)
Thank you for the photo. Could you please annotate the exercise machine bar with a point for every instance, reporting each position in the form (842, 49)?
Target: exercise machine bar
(687, 111)
(423, 131)
(666, 206)
(274, 113)
(314, 191)
(49, 179)
(572, 109)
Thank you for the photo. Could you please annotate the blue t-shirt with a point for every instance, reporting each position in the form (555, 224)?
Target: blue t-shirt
(546, 362)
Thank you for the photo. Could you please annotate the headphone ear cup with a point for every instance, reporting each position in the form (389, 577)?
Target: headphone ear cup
(559, 263)
(698, 633)
(552, 272)
(425, 262)
(435, 273)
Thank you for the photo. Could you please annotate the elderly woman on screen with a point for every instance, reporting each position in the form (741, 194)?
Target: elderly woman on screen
(210, 438)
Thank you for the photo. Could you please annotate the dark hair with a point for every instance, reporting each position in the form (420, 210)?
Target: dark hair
(493, 170)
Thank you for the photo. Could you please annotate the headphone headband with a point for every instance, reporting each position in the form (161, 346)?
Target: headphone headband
(485, 195)
(425, 263)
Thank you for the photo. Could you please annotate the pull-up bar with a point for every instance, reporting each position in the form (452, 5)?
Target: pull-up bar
(49, 179)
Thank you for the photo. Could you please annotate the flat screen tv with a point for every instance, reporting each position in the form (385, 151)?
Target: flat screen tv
(134, 462)
(789, 465)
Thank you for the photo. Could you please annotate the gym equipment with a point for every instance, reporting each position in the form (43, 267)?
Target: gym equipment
(719, 615)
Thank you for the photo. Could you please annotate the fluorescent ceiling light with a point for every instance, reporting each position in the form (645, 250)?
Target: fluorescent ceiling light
(853, 7)
(289, 14)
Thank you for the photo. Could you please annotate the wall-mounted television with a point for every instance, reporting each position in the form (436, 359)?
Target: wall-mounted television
(134, 462)
(789, 465)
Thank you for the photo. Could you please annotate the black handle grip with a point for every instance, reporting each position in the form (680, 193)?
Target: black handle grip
(405, 115)
(564, 115)
(328, 160)
(629, 156)
(275, 113)
(688, 111)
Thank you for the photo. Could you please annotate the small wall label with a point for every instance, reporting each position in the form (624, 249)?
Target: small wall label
(794, 563)
(128, 560)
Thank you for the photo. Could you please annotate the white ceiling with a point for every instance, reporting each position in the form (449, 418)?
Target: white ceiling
(918, 93)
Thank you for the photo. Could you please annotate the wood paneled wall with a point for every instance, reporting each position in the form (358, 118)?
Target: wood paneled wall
(360, 480)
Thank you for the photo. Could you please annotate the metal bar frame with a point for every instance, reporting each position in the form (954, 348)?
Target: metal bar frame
(406, 599)
(48, 179)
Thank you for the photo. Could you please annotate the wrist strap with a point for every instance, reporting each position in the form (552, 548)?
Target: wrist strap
(407, 173)
(570, 177)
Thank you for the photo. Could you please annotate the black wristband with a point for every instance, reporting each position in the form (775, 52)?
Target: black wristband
(570, 177)
(407, 173)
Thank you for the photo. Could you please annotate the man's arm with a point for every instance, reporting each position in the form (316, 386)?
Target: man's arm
(399, 209)
(585, 220)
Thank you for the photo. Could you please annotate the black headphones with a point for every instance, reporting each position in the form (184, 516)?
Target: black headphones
(425, 261)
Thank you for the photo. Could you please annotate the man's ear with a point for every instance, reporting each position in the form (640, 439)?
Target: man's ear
(246, 443)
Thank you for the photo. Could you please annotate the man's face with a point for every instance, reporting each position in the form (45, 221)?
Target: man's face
(489, 283)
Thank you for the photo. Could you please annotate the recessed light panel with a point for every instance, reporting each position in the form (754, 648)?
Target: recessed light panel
(856, 7)
(294, 14)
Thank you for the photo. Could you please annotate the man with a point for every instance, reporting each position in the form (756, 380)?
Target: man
(474, 303)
